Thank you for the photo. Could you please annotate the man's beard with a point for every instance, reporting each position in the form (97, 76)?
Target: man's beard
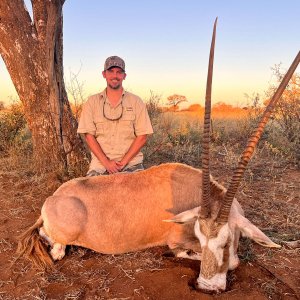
(115, 87)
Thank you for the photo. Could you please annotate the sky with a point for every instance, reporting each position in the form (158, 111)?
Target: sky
(165, 45)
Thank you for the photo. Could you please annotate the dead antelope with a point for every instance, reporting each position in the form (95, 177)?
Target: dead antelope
(124, 212)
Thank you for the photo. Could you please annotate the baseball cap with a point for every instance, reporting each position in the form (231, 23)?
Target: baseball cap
(114, 61)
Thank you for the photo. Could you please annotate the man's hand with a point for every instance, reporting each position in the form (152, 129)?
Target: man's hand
(120, 165)
(112, 166)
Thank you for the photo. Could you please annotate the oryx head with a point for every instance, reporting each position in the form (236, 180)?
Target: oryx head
(217, 226)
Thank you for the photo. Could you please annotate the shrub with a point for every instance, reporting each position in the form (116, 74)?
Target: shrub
(153, 106)
(14, 132)
(286, 129)
(175, 139)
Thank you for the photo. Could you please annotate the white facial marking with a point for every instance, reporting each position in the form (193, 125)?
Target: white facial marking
(201, 237)
(217, 282)
(216, 245)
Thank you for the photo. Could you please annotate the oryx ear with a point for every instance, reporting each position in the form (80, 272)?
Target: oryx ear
(186, 216)
(251, 231)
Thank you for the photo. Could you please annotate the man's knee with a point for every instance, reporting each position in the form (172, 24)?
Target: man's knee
(92, 173)
(135, 168)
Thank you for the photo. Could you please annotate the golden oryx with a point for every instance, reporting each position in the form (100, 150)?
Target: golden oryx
(124, 212)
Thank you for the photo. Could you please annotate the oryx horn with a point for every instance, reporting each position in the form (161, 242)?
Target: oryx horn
(205, 206)
(252, 142)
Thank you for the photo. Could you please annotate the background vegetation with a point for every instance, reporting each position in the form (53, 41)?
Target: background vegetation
(178, 134)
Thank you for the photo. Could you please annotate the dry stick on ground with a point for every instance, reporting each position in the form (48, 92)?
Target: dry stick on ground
(292, 244)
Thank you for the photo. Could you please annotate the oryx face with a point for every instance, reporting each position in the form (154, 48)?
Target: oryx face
(217, 243)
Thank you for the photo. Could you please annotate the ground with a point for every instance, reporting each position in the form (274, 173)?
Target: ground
(269, 195)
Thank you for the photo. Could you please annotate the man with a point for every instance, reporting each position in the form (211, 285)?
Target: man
(115, 124)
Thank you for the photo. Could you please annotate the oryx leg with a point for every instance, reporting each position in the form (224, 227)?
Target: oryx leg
(57, 251)
(183, 243)
(187, 253)
(183, 253)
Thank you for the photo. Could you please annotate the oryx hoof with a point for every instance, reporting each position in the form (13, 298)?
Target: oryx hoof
(58, 251)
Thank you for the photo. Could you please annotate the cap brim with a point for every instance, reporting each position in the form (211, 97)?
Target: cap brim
(114, 67)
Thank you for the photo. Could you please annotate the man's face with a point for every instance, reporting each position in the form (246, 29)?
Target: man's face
(114, 77)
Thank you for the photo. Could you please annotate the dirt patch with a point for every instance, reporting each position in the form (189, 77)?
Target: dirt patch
(269, 195)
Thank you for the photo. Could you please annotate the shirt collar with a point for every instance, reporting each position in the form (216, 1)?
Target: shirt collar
(104, 96)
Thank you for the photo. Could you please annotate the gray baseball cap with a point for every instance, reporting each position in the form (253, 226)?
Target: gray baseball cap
(114, 61)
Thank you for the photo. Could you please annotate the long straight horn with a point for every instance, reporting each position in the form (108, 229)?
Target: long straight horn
(205, 206)
(252, 142)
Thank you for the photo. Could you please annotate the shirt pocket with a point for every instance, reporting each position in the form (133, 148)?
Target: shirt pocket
(126, 124)
(99, 128)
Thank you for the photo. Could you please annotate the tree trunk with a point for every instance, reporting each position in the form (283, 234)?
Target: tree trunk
(33, 53)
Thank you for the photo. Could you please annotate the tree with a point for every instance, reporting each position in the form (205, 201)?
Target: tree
(175, 100)
(32, 50)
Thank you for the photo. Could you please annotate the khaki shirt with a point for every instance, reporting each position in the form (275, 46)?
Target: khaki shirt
(114, 137)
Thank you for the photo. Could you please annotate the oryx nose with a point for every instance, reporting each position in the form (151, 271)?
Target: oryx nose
(207, 290)
(212, 286)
